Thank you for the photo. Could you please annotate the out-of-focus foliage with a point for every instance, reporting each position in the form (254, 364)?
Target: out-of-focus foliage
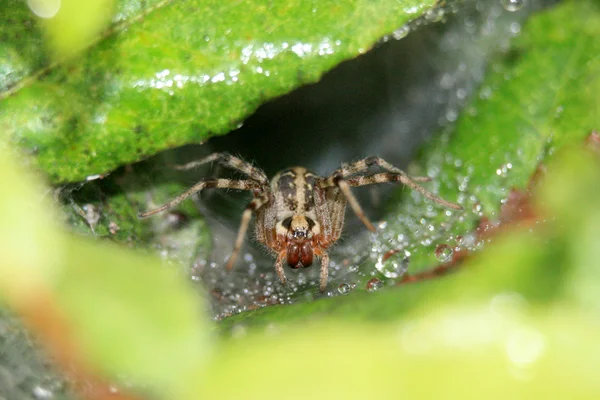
(71, 25)
(509, 324)
(124, 313)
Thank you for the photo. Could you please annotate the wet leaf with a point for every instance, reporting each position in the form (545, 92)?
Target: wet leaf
(539, 96)
(168, 73)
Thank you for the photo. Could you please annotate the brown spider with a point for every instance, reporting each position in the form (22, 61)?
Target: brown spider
(299, 215)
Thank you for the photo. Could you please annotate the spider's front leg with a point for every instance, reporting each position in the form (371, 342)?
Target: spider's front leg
(279, 267)
(260, 198)
(256, 203)
(324, 271)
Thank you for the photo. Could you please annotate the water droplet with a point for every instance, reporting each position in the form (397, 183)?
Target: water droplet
(478, 209)
(393, 264)
(515, 28)
(485, 92)
(434, 15)
(401, 32)
(374, 284)
(344, 288)
(42, 393)
(426, 242)
(503, 170)
(443, 253)
(93, 177)
(513, 5)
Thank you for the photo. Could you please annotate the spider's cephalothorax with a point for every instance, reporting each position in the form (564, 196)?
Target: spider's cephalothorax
(299, 215)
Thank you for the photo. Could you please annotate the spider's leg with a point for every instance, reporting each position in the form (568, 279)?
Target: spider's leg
(203, 184)
(394, 177)
(413, 185)
(279, 268)
(405, 179)
(254, 205)
(362, 165)
(230, 161)
(345, 188)
(324, 271)
(382, 177)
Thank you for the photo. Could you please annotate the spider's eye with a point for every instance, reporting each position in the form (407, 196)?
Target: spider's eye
(300, 233)
(287, 222)
(306, 254)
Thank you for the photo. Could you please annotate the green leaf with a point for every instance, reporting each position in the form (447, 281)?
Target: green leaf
(537, 97)
(173, 72)
(126, 314)
(31, 251)
(131, 316)
(488, 351)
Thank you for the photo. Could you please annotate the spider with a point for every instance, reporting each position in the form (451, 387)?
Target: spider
(299, 215)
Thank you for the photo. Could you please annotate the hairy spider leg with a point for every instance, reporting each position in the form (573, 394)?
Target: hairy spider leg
(229, 161)
(279, 267)
(382, 177)
(324, 271)
(254, 205)
(347, 170)
(345, 188)
(204, 184)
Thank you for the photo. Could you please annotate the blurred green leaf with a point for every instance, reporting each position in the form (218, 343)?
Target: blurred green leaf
(500, 349)
(31, 250)
(573, 196)
(173, 72)
(133, 317)
(71, 25)
(128, 315)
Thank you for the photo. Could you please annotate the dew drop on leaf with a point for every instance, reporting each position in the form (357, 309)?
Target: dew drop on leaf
(393, 264)
(513, 5)
(443, 253)
(401, 32)
(374, 284)
(344, 288)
